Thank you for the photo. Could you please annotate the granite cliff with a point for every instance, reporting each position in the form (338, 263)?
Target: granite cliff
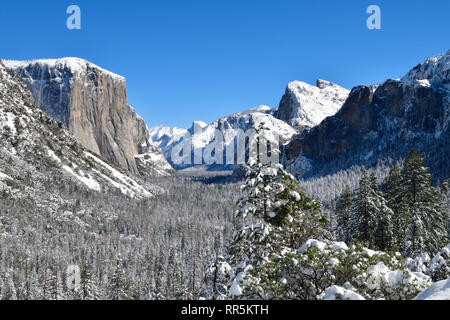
(92, 103)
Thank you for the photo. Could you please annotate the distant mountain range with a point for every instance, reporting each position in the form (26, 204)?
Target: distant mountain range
(303, 106)
(323, 128)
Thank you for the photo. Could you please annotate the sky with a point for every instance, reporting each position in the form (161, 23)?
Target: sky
(203, 59)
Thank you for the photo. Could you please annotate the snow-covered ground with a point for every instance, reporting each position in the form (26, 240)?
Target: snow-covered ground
(437, 291)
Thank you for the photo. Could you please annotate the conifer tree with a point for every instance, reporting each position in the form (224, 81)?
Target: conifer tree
(364, 213)
(426, 228)
(396, 201)
(88, 287)
(343, 211)
(251, 237)
(119, 284)
(274, 214)
(384, 234)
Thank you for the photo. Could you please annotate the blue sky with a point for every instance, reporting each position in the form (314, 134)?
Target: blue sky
(202, 59)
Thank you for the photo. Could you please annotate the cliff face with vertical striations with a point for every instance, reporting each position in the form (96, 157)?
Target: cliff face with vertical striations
(92, 103)
(381, 122)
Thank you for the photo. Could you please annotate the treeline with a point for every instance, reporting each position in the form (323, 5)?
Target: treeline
(406, 213)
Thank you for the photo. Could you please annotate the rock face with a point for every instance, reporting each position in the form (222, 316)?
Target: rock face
(305, 106)
(92, 103)
(383, 121)
(36, 150)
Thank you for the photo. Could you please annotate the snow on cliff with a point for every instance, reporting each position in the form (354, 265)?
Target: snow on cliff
(76, 65)
(306, 105)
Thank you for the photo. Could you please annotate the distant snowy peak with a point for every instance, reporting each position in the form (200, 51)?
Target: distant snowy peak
(260, 109)
(250, 119)
(433, 71)
(165, 138)
(304, 105)
(75, 65)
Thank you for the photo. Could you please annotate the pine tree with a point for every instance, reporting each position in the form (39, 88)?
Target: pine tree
(426, 229)
(364, 213)
(396, 201)
(343, 211)
(88, 287)
(384, 234)
(295, 217)
(251, 237)
(119, 284)
(273, 215)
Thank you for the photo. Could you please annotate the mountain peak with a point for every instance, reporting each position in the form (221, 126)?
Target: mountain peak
(322, 84)
(75, 65)
(305, 105)
(92, 103)
(434, 70)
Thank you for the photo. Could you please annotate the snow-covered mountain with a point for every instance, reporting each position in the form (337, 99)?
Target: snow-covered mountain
(92, 103)
(165, 138)
(305, 106)
(204, 134)
(35, 149)
(381, 122)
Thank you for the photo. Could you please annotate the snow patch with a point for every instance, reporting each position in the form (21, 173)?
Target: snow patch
(88, 181)
(437, 291)
(340, 293)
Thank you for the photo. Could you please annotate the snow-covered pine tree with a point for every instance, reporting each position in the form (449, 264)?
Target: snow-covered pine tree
(251, 243)
(343, 212)
(427, 228)
(56, 289)
(396, 201)
(363, 220)
(88, 287)
(371, 218)
(274, 215)
(8, 288)
(384, 234)
(295, 216)
(119, 285)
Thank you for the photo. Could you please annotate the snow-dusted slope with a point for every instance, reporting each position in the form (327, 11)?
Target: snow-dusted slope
(304, 105)
(35, 149)
(92, 103)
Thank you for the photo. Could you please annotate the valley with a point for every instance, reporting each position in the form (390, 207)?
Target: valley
(84, 182)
